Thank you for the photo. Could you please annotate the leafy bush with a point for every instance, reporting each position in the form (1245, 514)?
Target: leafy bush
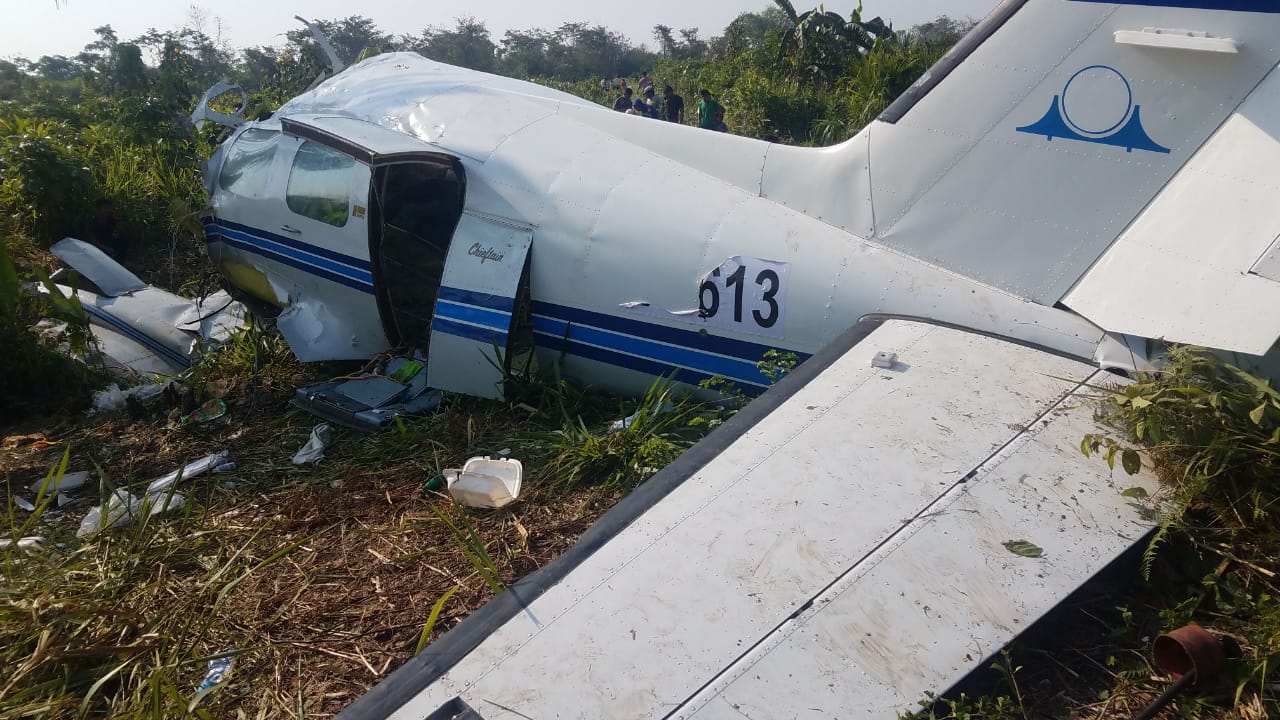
(1213, 431)
(37, 378)
(45, 185)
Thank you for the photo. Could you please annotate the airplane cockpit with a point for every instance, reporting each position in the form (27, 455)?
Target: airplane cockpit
(349, 229)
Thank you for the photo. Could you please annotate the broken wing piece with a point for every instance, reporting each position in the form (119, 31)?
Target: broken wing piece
(138, 327)
(109, 277)
(203, 112)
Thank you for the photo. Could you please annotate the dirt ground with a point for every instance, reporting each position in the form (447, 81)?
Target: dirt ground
(365, 556)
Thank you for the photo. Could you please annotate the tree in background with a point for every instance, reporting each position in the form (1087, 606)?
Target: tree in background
(467, 44)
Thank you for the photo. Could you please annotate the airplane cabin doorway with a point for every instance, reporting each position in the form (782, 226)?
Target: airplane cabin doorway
(417, 206)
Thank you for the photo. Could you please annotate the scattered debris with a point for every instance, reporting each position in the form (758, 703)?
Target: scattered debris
(67, 481)
(123, 507)
(627, 421)
(190, 470)
(320, 440)
(113, 398)
(368, 401)
(1024, 548)
(624, 423)
(25, 544)
(214, 675)
(24, 503)
(484, 482)
(212, 410)
(1193, 655)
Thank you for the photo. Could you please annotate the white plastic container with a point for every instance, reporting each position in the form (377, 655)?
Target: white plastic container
(485, 482)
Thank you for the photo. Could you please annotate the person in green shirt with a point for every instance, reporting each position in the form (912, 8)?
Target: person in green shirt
(707, 108)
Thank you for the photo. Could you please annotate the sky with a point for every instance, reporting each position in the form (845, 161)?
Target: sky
(32, 28)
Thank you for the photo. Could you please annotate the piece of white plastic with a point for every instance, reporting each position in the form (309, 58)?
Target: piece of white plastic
(113, 398)
(26, 544)
(123, 507)
(68, 481)
(24, 503)
(190, 470)
(320, 440)
(485, 482)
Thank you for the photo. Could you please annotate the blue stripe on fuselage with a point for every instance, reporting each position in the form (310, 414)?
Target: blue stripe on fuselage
(292, 256)
(634, 344)
(494, 319)
(673, 355)
(296, 244)
(471, 297)
(470, 332)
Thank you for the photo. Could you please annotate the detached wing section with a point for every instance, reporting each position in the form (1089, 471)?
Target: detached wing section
(838, 549)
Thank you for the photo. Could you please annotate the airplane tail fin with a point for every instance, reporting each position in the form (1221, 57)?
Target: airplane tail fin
(1062, 131)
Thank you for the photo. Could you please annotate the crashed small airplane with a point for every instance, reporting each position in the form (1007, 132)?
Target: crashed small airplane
(1096, 199)
(1074, 185)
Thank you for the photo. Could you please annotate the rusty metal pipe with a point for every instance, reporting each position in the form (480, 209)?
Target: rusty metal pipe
(1192, 655)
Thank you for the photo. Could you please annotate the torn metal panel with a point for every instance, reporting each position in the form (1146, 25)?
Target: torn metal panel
(315, 334)
(141, 327)
(108, 276)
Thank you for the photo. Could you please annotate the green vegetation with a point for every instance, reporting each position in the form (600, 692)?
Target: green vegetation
(1212, 434)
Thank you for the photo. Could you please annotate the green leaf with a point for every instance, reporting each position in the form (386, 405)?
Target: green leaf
(1140, 402)
(1024, 548)
(1135, 492)
(1131, 461)
(433, 618)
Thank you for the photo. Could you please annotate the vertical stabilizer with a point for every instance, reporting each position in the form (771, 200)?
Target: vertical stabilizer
(1023, 154)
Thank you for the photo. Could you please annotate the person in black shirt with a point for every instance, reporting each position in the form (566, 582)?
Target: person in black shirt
(104, 233)
(623, 103)
(673, 105)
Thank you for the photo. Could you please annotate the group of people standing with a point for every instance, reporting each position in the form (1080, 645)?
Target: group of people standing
(669, 106)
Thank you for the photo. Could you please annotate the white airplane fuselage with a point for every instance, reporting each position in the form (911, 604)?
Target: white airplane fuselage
(406, 202)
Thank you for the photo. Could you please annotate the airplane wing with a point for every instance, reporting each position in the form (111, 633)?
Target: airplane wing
(854, 539)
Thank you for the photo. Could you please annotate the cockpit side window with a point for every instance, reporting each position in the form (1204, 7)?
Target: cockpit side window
(321, 183)
(247, 166)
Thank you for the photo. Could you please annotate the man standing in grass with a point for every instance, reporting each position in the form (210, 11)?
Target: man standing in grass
(103, 231)
(673, 104)
(707, 108)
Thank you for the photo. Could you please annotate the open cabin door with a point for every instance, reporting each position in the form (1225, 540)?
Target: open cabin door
(475, 311)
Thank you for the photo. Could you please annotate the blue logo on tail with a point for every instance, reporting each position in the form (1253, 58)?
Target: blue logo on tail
(1105, 112)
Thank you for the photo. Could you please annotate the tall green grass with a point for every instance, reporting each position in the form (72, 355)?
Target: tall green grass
(101, 628)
